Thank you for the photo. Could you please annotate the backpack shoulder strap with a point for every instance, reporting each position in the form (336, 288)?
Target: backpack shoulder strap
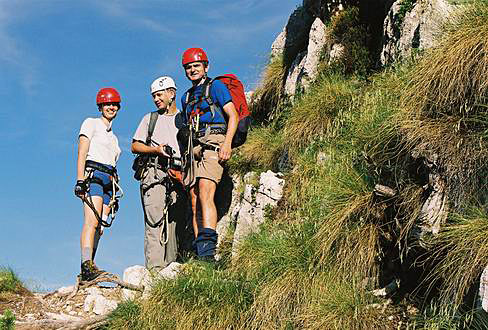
(208, 97)
(152, 123)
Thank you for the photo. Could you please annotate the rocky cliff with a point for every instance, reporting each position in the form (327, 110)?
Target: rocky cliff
(395, 30)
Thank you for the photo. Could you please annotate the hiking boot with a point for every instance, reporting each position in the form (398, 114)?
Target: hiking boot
(89, 271)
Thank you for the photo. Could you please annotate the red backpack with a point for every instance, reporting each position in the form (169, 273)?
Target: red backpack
(236, 89)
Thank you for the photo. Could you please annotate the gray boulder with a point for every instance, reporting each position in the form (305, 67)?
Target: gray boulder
(303, 70)
(134, 275)
(417, 30)
(483, 290)
(293, 39)
(254, 204)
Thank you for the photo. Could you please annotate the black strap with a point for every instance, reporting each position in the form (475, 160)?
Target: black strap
(88, 200)
(191, 100)
(152, 124)
(100, 167)
(169, 188)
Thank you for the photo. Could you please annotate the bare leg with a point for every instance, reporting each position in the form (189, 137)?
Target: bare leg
(87, 238)
(194, 201)
(99, 231)
(206, 195)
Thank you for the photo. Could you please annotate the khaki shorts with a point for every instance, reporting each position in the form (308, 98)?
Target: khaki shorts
(207, 164)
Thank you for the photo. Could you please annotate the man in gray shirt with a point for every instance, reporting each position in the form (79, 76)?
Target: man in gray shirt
(160, 193)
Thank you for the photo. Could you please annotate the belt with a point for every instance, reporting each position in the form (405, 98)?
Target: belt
(211, 130)
(210, 147)
(101, 167)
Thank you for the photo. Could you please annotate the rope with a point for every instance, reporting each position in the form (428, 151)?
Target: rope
(164, 228)
(112, 204)
(165, 218)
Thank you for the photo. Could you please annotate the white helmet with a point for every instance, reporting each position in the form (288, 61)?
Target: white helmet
(162, 83)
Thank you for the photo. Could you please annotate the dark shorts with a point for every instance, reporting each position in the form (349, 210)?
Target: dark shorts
(105, 190)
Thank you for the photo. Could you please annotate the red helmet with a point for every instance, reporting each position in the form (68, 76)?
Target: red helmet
(194, 55)
(107, 95)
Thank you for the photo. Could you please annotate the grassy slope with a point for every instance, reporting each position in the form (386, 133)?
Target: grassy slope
(10, 286)
(331, 241)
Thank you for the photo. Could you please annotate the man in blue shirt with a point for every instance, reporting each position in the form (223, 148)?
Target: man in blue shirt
(214, 134)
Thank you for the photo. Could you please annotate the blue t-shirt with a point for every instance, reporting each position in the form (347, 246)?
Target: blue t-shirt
(220, 96)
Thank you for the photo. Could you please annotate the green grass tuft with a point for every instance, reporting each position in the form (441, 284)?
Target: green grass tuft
(440, 317)
(9, 281)
(261, 151)
(348, 30)
(125, 316)
(318, 115)
(7, 320)
(268, 98)
(200, 298)
(445, 103)
(461, 249)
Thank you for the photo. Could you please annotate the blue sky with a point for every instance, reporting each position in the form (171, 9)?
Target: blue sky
(54, 56)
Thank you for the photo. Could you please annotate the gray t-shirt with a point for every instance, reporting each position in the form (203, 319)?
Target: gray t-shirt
(164, 132)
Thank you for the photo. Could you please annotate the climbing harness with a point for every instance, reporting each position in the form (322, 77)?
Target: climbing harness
(164, 164)
(117, 192)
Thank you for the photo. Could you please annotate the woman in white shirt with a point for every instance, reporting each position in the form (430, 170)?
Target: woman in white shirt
(98, 152)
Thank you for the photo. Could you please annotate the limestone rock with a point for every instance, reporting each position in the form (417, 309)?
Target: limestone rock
(336, 52)
(295, 74)
(228, 215)
(278, 45)
(303, 70)
(133, 275)
(293, 39)
(103, 305)
(417, 30)
(65, 290)
(316, 42)
(483, 290)
(254, 204)
(93, 291)
(434, 211)
(270, 189)
(171, 271)
(95, 302)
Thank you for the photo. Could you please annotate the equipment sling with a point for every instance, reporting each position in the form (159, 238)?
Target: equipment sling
(117, 192)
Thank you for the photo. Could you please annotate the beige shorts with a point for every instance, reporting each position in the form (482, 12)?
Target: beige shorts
(207, 163)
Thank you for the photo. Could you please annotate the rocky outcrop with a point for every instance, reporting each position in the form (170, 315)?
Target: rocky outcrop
(303, 42)
(412, 30)
(251, 195)
(483, 290)
(293, 39)
(134, 275)
(98, 303)
(304, 68)
(396, 27)
(256, 200)
(86, 305)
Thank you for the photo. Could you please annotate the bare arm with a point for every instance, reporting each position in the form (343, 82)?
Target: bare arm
(138, 147)
(226, 147)
(83, 146)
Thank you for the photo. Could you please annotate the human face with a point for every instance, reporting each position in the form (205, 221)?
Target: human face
(109, 110)
(196, 71)
(162, 99)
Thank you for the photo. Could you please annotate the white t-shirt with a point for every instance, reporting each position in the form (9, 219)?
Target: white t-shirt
(104, 146)
(164, 131)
